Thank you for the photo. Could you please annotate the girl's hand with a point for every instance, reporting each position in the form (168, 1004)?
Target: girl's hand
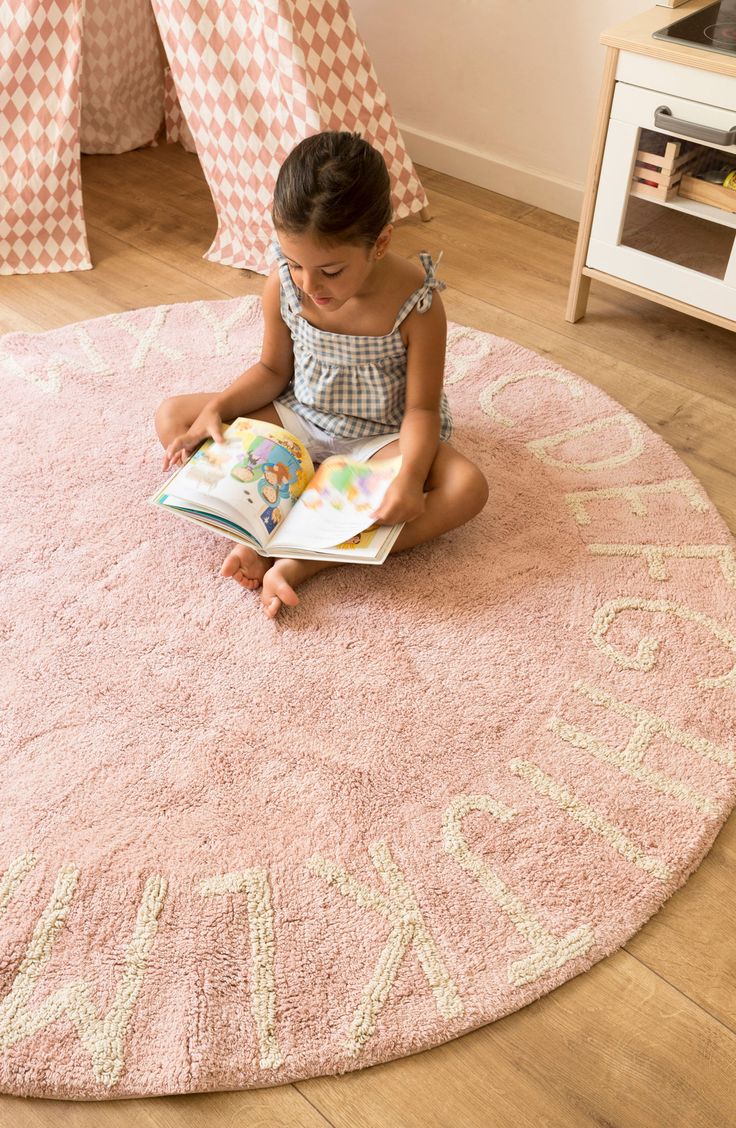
(403, 501)
(208, 424)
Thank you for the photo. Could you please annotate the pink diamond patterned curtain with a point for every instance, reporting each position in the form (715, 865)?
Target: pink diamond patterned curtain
(122, 76)
(254, 79)
(248, 80)
(177, 130)
(41, 221)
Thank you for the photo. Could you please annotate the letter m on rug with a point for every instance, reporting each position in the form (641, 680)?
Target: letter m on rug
(103, 1037)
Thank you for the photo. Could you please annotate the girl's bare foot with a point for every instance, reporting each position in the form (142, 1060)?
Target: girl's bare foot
(245, 566)
(281, 579)
(278, 586)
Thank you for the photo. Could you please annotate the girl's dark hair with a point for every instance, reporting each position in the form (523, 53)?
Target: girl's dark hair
(336, 186)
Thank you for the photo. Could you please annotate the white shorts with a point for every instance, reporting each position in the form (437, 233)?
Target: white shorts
(321, 444)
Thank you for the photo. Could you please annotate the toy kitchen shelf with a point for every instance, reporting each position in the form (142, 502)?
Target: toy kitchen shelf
(650, 223)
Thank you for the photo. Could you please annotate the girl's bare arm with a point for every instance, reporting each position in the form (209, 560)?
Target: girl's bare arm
(419, 435)
(420, 428)
(266, 380)
(258, 386)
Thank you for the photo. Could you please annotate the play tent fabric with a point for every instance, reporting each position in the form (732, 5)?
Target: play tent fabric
(253, 78)
(127, 85)
(41, 220)
(177, 130)
(122, 76)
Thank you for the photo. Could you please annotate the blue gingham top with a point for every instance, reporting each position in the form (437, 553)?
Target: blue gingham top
(348, 385)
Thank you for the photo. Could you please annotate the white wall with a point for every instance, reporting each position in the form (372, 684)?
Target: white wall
(501, 93)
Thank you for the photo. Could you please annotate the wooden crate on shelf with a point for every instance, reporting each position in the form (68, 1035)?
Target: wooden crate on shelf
(705, 193)
(660, 164)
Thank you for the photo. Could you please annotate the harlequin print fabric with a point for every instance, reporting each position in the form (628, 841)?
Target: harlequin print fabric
(41, 218)
(253, 79)
(177, 130)
(122, 76)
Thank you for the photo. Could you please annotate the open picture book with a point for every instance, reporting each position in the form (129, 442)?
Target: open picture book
(260, 488)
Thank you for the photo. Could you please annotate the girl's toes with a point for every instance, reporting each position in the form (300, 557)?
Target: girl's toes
(286, 593)
(230, 565)
(277, 591)
(272, 606)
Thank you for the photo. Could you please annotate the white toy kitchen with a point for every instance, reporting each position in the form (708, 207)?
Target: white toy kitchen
(659, 216)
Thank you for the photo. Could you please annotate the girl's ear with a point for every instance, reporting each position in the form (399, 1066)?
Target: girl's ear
(383, 240)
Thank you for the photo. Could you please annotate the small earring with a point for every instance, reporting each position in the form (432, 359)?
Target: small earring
(379, 254)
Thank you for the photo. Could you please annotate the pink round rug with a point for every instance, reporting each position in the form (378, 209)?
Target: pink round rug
(237, 852)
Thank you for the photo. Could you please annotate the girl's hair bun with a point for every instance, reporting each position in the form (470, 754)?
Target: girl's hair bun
(336, 186)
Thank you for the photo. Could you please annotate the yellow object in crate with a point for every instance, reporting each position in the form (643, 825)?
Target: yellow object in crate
(721, 196)
(712, 182)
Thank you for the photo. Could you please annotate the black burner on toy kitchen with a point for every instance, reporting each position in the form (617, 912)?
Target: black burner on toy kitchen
(712, 28)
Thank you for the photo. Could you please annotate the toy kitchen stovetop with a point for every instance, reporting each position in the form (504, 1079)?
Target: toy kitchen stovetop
(713, 28)
(659, 215)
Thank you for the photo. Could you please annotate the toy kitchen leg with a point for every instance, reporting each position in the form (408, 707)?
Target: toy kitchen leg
(577, 301)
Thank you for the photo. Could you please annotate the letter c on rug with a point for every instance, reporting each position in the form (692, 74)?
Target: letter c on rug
(574, 386)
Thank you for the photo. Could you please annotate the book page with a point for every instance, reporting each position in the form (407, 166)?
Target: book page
(252, 479)
(372, 546)
(338, 503)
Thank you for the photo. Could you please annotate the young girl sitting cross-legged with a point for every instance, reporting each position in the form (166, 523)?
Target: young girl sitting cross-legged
(352, 357)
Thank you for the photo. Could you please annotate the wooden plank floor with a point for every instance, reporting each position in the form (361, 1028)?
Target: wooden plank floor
(647, 1038)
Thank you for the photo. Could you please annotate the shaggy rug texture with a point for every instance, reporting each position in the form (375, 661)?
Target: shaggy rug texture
(237, 852)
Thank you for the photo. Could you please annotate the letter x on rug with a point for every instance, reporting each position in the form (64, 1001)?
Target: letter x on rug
(238, 852)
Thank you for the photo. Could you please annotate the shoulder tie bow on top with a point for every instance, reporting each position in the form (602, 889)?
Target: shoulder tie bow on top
(431, 282)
